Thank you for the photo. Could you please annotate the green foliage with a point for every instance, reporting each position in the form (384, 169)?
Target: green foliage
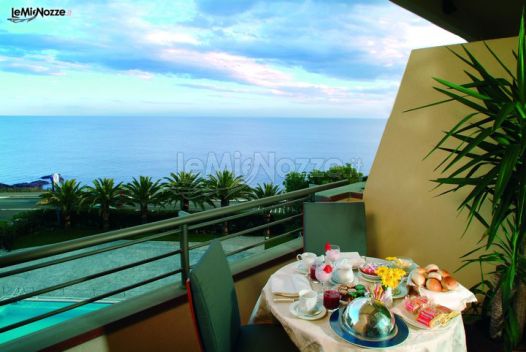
(185, 187)
(266, 190)
(7, 237)
(225, 186)
(105, 194)
(295, 181)
(335, 173)
(144, 192)
(68, 197)
(489, 161)
(38, 227)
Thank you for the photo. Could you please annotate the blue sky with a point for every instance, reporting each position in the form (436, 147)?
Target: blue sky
(317, 58)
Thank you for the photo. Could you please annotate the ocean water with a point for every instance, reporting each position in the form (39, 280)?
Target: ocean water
(260, 149)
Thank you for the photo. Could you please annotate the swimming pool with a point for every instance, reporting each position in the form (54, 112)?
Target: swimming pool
(22, 310)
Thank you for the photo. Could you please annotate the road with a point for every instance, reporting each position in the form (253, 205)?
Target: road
(12, 203)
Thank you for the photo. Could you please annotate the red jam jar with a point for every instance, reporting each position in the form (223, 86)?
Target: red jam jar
(312, 272)
(331, 299)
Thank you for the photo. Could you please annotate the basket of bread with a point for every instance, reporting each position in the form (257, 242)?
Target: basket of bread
(433, 278)
(440, 287)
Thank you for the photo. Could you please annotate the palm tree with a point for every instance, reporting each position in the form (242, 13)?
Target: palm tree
(264, 191)
(67, 196)
(143, 192)
(225, 186)
(105, 194)
(184, 187)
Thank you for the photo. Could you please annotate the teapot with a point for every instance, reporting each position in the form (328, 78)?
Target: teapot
(343, 273)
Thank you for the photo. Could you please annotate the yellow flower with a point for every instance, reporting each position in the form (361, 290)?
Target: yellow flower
(391, 258)
(390, 276)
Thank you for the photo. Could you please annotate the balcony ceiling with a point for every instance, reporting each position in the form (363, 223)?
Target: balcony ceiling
(470, 19)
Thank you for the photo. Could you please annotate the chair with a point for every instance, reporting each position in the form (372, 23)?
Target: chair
(338, 223)
(215, 311)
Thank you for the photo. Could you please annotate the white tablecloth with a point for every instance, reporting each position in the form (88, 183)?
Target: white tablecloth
(318, 335)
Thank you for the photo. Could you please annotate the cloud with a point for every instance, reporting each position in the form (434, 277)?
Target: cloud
(37, 65)
(313, 51)
(338, 38)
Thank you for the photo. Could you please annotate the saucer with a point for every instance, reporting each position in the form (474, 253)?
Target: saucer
(300, 268)
(293, 308)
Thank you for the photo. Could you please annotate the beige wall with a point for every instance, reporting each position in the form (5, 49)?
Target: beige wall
(404, 217)
(171, 329)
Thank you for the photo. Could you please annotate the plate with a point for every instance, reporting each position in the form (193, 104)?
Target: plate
(411, 319)
(293, 308)
(401, 335)
(370, 278)
(403, 291)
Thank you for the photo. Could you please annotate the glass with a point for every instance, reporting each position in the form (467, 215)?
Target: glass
(312, 272)
(333, 254)
(323, 274)
(331, 299)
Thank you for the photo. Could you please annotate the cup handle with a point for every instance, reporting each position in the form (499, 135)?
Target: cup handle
(298, 257)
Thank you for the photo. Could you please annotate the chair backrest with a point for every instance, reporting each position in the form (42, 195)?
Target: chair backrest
(214, 301)
(339, 223)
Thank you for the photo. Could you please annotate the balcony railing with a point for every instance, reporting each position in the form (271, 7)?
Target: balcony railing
(287, 205)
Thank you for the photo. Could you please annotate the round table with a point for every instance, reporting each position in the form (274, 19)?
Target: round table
(318, 336)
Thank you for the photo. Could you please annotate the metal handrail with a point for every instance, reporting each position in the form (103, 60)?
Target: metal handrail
(86, 301)
(246, 231)
(93, 240)
(180, 225)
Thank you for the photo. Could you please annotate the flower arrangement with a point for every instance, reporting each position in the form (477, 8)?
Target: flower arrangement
(390, 276)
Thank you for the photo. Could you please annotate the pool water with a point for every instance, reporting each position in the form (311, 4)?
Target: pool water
(22, 310)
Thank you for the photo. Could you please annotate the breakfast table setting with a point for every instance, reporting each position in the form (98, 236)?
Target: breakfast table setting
(343, 301)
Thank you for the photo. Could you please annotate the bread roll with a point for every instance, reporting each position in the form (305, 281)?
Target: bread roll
(450, 283)
(433, 285)
(417, 278)
(421, 270)
(434, 275)
(445, 273)
(432, 267)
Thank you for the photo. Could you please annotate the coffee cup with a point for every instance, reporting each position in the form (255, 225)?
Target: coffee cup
(308, 301)
(307, 259)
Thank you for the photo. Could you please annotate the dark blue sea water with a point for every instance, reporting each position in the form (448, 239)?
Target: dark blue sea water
(262, 149)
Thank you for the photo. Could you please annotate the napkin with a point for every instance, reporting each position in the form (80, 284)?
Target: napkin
(455, 299)
(288, 285)
(352, 258)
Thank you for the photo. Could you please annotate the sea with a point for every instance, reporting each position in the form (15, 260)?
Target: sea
(259, 149)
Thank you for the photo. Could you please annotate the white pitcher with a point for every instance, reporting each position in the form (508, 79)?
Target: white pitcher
(343, 273)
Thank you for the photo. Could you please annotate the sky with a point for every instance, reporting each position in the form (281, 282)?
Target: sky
(317, 58)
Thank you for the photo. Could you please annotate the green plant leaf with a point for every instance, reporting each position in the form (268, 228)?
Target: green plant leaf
(464, 101)
(462, 89)
(502, 115)
(469, 147)
(521, 64)
(451, 132)
(508, 71)
(520, 110)
(508, 163)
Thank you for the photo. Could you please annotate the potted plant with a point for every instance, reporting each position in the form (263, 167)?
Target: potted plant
(486, 155)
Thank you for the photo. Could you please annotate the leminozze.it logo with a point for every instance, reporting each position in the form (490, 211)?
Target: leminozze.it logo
(26, 14)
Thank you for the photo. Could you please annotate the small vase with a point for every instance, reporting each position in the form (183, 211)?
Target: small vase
(387, 297)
